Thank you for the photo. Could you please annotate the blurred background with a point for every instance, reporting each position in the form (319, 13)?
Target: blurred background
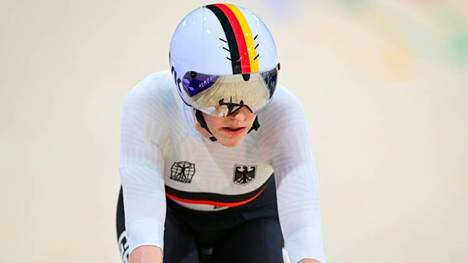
(384, 85)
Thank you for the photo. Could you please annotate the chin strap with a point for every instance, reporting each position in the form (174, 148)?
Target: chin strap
(255, 125)
(201, 120)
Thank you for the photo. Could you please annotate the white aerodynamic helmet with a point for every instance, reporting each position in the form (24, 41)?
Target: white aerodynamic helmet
(223, 58)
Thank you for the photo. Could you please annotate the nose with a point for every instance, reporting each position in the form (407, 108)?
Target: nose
(240, 115)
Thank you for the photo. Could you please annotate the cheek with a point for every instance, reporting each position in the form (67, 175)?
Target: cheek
(251, 118)
(213, 122)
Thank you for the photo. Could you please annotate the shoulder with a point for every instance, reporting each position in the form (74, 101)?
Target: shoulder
(283, 106)
(151, 102)
(282, 118)
(155, 95)
(149, 109)
(154, 89)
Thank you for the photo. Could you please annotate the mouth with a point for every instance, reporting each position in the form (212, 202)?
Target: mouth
(233, 131)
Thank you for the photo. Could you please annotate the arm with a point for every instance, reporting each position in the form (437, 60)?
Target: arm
(308, 260)
(296, 180)
(147, 254)
(141, 173)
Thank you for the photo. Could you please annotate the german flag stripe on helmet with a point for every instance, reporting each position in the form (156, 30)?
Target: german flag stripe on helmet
(239, 36)
(249, 38)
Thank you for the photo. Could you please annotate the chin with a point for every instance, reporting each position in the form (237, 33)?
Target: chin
(231, 143)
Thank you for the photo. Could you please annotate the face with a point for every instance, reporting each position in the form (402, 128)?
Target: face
(229, 130)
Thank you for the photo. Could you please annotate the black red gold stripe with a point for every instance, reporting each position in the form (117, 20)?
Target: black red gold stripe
(216, 199)
(244, 57)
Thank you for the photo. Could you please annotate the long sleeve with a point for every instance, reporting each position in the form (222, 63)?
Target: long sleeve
(141, 171)
(296, 179)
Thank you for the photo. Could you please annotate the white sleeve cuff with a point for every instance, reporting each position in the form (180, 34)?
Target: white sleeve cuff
(305, 244)
(144, 232)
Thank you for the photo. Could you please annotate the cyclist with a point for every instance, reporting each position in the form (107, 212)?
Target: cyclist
(215, 163)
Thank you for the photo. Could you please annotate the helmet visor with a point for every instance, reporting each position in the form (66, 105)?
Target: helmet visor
(224, 95)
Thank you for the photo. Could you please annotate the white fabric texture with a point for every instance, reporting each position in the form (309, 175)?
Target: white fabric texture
(157, 129)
